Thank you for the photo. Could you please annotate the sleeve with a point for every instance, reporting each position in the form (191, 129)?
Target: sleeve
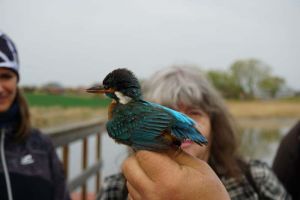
(60, 188)
(268, 185)
(287, 161)
(114, 188)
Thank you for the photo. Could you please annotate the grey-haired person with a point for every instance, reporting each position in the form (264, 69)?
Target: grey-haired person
(194, 173)
(29, 166)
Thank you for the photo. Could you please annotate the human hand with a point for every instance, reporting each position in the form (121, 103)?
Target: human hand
(172, 175)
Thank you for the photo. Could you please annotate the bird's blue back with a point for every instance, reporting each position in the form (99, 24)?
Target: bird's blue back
(149, 126)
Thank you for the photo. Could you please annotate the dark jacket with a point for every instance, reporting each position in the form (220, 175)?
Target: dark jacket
(35, 171)
(287, 161)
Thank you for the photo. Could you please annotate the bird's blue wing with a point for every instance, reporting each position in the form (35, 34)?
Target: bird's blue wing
(141, 126)
(178, 115)
(183, 127)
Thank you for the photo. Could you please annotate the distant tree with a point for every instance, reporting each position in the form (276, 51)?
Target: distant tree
(225, 83)
(53, 84)
(271, 85)
(249, 73)
(29, 89)
(53, 88)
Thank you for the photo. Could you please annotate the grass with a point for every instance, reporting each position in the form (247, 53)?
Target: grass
(265, 109)
(42, 117)
(49, 110)
(53, 110)
(50, 100)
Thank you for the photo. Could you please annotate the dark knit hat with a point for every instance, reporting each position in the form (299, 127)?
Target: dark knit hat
(8, 54)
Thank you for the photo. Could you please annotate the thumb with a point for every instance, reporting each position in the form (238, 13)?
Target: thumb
(183, 158)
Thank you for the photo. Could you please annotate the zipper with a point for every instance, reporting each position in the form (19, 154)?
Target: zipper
(3, 161)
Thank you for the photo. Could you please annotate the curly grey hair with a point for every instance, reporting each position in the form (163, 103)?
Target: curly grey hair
(181, 85)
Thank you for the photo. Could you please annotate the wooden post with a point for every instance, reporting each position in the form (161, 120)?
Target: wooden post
(84, 164)
(98, 157)
(66, 160)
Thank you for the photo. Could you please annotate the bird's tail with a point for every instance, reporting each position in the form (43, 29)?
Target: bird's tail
(185, 131)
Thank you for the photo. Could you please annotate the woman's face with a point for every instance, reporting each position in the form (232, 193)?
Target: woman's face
(204, 126)
(8, 88)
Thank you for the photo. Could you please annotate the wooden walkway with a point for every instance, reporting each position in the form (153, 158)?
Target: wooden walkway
(63, 137)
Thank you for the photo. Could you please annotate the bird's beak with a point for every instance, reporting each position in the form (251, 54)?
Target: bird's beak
(99, 89)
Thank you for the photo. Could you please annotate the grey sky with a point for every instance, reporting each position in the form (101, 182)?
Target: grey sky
(79, 42)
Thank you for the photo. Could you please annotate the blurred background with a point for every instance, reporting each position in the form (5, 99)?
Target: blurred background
(249, 50)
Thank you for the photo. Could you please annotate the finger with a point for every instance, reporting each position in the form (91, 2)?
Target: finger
(183, 158)
(129, 197)
(156, 165)
(135, 174)
(132, 193)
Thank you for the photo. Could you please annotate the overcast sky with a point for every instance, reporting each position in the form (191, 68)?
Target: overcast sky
(77, 42)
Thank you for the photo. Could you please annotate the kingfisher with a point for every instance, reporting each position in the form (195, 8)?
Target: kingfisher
(140, 124)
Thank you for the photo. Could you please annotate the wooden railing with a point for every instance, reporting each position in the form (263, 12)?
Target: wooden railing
(64, 136)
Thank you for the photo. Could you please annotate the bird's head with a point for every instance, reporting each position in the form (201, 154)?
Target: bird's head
(121, 85)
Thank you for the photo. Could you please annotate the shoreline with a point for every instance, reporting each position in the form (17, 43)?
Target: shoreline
(246, 113)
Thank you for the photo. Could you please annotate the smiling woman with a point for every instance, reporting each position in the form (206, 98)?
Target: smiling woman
(8, 88)
(29, 167)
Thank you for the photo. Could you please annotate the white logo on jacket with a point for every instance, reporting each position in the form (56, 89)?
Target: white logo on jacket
(27, 160)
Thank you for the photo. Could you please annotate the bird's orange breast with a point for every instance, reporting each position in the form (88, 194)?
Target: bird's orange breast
(111, 108)
(170, 138)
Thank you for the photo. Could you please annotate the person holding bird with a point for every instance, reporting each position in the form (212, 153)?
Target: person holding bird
(190, 153)
(29, 166)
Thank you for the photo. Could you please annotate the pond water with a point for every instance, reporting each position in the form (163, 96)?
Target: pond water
(262, 144)
(257, 140)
